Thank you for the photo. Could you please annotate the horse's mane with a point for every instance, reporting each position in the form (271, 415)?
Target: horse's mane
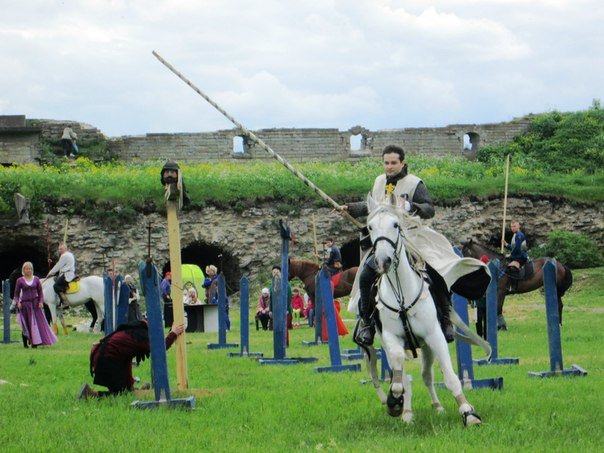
(407, 219)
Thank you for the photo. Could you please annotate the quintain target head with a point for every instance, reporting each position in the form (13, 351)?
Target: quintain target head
(171, 180)
(169, 173)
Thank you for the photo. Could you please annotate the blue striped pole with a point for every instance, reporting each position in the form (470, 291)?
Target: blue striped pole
(492, 320)
(465, 368)
(159, 365)
(335, 359)
(122, 305)
(280, 285)
(553, 327)
(222, 340)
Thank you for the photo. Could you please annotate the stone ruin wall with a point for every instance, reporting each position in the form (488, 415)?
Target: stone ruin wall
(312, 144)
(21, 141)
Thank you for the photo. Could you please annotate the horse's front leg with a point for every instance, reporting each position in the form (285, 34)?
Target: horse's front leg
(395, 351)
(436, 341)
(62, 320)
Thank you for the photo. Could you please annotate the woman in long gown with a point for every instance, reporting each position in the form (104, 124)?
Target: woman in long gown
(29, 299)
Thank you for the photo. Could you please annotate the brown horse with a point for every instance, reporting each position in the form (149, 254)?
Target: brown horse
(564, 277)
(307, 271)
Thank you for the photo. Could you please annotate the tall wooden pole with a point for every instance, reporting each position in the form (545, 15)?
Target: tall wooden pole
(505, 201)
(314, 235)
(65, 231)
(177, 299)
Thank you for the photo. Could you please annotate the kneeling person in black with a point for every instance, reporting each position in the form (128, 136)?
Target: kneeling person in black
(111, 358)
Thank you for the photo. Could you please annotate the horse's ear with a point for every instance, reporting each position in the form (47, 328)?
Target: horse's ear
(371, 203)
(392, 199)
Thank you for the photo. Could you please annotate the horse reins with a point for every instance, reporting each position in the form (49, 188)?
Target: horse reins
(397, 289)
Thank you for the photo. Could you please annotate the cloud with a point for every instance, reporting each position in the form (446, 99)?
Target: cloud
(310, 63)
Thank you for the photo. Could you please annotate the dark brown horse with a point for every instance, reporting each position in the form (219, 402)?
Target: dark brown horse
(307, 271)
(564, 277)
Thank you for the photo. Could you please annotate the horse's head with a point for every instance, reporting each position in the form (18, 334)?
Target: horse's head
(475, 249)
(467, 249)
(385, 225)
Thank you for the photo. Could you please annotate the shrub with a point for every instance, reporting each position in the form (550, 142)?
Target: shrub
(573, 249)
(559, 142)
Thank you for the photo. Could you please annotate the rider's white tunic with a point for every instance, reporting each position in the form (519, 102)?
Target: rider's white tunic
(65, 265)
(431, 246)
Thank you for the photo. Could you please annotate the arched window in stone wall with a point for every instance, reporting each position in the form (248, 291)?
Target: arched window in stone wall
(357, 143)
(239, 145)
(471, 142)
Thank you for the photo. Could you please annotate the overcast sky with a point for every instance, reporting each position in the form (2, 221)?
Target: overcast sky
(308, 63)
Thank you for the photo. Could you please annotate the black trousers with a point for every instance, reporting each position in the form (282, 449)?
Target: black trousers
(61, 284)
(481, 322)
(67, 146)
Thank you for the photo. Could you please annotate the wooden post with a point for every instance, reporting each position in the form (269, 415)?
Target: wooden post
(178, 307)
(505, 200)
(314, 235)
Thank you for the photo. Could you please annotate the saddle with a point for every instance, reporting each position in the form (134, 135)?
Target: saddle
(525, 272)
(74, 286)
(514, 277)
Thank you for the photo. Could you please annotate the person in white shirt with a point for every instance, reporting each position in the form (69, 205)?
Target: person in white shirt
(65, 268)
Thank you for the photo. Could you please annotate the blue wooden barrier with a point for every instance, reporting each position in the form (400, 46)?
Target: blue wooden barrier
(553, 328)
(109, 324)
(280, 308)
(244, 320)
(6, 310)
(122, 304)
(465, 369)
(159, 365)
(318, 311)
(492, 321)
(222, 340)
(324, 289)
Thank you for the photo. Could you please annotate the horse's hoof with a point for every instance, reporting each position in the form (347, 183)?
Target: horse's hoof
(395, 411)
(407, 416)
(395, 404)
(438, 408)
(471, 418)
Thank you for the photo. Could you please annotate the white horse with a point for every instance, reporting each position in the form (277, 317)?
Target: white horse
(407, 314)
(91, 288)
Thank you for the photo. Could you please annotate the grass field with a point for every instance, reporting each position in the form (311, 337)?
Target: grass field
(243, 406)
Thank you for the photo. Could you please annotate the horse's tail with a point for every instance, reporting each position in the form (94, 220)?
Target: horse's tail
(566, 282)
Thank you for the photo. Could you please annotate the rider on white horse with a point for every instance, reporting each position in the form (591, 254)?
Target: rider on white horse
(446, 270)
(65, 267)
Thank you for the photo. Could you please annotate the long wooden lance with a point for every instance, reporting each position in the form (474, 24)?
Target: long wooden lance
(263, 145)
(505, 201)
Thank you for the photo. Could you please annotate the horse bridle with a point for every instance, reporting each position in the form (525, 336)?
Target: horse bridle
(402, 310)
